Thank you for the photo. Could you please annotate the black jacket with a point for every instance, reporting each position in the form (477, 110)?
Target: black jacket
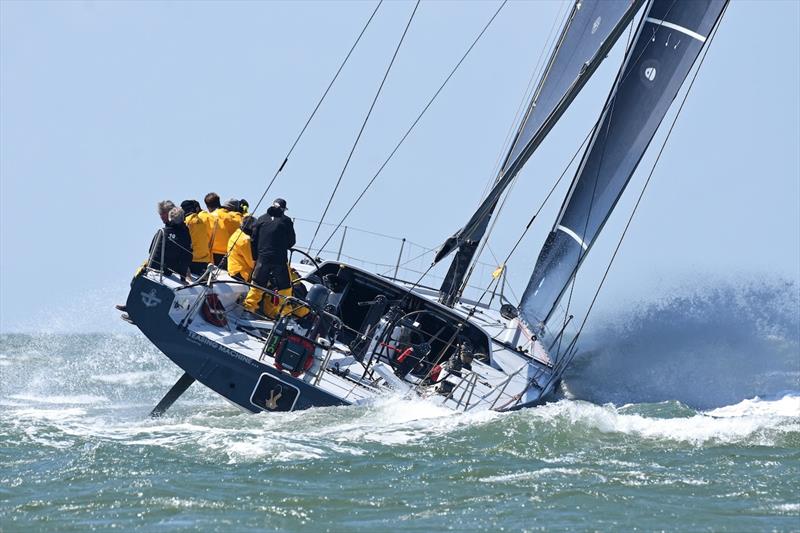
(177, 250)
(273, 235)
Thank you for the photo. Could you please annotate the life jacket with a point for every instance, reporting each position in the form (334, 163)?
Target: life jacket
(240, 255)
(199, 225)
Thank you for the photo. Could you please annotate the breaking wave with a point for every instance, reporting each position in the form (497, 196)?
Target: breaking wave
(707, 348)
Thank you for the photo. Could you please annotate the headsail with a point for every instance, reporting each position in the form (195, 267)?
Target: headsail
(590, 31)
(668, 41)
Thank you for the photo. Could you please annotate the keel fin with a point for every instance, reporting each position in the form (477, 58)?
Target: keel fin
(177, 390)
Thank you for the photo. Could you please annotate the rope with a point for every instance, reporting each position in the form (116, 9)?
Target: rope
(316, 107)
(539, 210)
(521, 111)
(363, 125)
(413, 124)
(299, 136)
(571, 348)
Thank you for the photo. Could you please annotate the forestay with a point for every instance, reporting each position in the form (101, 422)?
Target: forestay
(669, 39)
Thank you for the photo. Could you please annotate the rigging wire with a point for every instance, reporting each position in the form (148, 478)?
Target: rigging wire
(414, 124)
(364, 125)
(571, 349)
(299, 136)
(316, 107)
(610, 105)
(520, 113)
(541, 206)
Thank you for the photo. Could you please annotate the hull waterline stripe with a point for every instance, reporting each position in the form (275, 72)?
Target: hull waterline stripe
(573, 235)
(675, 27)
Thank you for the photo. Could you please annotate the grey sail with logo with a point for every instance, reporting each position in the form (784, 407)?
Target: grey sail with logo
(669, 39)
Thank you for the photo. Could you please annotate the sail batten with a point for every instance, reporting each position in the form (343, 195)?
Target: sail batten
(669, 39)
(588, 35)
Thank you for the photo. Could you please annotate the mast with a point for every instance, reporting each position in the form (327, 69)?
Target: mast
(668, 41)
(592, 28)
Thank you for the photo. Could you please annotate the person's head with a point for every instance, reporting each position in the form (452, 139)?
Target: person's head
(277, 208)
(163, 209)
(175, 216)
(280, 203)
(248, 223)
(212, 201)
(190, 206)
(232, 205)
(244, 206)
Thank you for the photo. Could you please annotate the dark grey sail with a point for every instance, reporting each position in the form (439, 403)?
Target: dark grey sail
(592, 28)
(669, 39)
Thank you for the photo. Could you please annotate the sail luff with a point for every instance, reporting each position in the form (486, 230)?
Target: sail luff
(669, 40)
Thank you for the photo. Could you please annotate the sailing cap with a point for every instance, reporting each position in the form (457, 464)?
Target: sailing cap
(232, 205)
(190, 206)
(280, 202)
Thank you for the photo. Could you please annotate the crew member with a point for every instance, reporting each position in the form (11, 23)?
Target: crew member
(240, 253)
(177, 245)
(224, 224)
(200, 224)
(163, 210)
(273, 235)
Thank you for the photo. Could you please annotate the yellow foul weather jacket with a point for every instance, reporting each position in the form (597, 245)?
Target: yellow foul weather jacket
(200, 225)
(240, 256)
(224, 223)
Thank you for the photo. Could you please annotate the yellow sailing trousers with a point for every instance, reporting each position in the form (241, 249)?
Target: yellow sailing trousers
(272, 304)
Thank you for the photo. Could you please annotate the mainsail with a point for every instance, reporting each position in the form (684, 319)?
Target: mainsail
(668, 41)
(592, 28)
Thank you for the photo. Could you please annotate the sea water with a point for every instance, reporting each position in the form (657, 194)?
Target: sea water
(629, 449)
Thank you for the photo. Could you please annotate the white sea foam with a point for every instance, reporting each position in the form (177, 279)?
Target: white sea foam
(78, 399)
(725, 425)
(133, 378)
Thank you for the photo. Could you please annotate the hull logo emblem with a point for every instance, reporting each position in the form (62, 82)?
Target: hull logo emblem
(650, 73)
(274, 395)
(149, 299)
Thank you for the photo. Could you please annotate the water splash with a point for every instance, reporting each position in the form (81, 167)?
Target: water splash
(706, 347)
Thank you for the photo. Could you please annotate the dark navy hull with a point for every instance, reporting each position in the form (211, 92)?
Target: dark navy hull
(252, 385)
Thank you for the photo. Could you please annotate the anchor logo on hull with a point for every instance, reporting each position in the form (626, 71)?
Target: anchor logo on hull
(149, 299)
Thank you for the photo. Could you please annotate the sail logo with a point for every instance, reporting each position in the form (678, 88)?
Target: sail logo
(650, 73)
(596, 25)
(149, 299)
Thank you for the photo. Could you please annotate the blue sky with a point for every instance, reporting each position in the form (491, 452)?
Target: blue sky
(108, 107)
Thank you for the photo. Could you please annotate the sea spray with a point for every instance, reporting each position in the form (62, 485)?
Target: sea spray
(705, 347)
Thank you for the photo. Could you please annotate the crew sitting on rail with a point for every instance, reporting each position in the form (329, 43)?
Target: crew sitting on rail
(240, 253)
(177, 247)
(273, 235)
(200, 224)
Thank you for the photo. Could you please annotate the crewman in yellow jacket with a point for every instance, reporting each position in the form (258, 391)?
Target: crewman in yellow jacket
(225, 220)
(240, 253)
(200, 224)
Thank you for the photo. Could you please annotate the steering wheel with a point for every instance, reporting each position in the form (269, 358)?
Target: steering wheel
(307, 256)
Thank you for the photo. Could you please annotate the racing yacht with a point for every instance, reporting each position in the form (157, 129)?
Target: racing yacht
(362, 335)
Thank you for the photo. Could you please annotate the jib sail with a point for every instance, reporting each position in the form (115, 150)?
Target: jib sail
(669, 39)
